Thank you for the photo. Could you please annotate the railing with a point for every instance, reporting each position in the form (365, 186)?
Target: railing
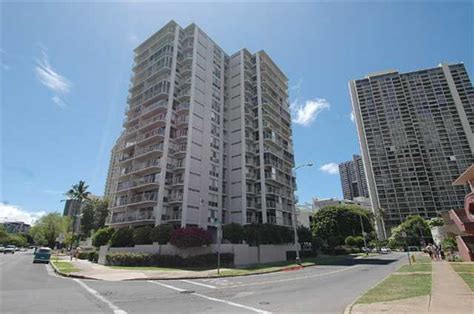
(159, 104)
(160, 117)
(144, 150)
(137, 182)
(160, 131)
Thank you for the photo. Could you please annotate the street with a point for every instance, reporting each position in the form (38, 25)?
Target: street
(34, 288)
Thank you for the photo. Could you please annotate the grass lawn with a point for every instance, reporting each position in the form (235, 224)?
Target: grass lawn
(468, 278)
(260, 268)
(466, 271)
(64, 266)
(417, 267)
(396, 287)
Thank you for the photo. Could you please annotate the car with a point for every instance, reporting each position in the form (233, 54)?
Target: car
(9, 249)
(42, 255)
(2, 249)
(385, 250)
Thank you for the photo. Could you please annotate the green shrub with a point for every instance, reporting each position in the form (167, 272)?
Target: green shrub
(102, 236)
(350, 241)
(256, 234)
(93, 257)
(175, 261)
(83, 255)
(122, 238)
(304, 234)
(190, 237)
(161, 234)
(359, 241)
(141, 235)
(233, 232)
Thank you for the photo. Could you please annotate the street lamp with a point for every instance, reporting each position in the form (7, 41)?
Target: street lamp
(295, 231)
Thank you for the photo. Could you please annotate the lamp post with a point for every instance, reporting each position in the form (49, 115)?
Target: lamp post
(295, 231)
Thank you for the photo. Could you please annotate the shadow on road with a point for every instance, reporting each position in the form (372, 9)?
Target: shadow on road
(350, 261)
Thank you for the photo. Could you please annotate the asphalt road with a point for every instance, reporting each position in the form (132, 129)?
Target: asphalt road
(34, 288)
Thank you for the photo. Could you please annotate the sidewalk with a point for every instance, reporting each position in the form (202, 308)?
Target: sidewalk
(89, 270)
(449, 294)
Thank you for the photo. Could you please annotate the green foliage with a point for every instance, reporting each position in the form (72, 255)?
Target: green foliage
(93, 257)
(233, 232)
(102, 236)
(161, 234)
(101, 211)
(256, 234)
(436, 222)
(122, 238)
(416, 229)
(141, 235)
(304, 234)
(87, 218)
(450, 244)
(48, 228)
(190, 237)
(359, 241)
(175, 261)
(78, 192)
(350, 241)
(333, 224)
(15, 239)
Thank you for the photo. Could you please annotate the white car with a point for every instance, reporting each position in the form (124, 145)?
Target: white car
(2, 249)
(385, 250)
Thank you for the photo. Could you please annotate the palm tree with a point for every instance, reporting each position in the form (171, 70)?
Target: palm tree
(79, 193)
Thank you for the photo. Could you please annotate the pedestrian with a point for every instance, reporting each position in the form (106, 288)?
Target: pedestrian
(438, 252)
(429, 250)
(72, 253)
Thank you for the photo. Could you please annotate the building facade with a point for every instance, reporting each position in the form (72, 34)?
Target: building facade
(416, 134)
(353, 180)
(16, 227)
(207, 136)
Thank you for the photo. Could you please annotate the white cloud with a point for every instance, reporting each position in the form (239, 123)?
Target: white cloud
(57, 83)
(307, 113)
(15, 213)
(58, 101)
(331, 168)
(352, 116)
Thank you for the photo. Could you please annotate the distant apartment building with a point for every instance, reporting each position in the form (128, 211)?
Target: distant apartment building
(319, 203)
(416, 134)
(207, 136)
(16, 227)
(73, 210)
(353, 180)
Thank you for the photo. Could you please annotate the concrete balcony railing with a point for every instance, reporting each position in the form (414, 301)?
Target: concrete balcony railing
(126, 185)
(147, 149)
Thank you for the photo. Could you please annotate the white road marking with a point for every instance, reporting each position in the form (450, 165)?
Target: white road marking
(289, 279)
(96, 294)
(213, 299)
(198, 284)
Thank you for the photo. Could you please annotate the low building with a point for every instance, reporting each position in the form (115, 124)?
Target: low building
(463, 218)
(319, 203)
(304, 215)
(16, 227)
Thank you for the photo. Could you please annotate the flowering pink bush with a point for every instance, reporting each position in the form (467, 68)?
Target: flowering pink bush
(190, 237)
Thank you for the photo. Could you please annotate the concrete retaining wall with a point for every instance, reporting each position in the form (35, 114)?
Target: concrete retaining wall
(243, 253)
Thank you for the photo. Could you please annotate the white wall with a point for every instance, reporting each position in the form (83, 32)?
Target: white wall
(243, 253)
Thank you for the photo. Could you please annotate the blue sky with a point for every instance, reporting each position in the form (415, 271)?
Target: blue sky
(65, 70)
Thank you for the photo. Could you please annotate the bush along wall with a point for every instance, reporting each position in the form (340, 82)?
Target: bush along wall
(173, 261)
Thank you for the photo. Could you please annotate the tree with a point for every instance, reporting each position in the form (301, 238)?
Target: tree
(436, 222)
(101, 212)
(233, 232)
(161, 234)
(17, 240)
(413, 231)
(332, 224)
(350, 241)
(48, 228)
(141, 235)
(79, 192)
(122, 238)
(87, 218)
(304, 235)
(190, 237)
(359, 241)
(102, 236)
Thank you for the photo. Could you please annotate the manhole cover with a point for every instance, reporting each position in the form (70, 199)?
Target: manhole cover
(187, 291)
(263, 303)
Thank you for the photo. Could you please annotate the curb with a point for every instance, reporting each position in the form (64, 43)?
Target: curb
(293, 268)
(69, 275)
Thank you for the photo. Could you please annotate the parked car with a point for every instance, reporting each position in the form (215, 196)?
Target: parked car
(385, 250)
(9, 249)
(2, 249)
(42, 255)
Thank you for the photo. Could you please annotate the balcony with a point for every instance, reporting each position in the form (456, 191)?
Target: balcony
(152, 121)
(163, 104)
(140, 166)
(141, 151)
(132, 219)
(175, 198)
(138, 183)
(184, 106)
(156, 132)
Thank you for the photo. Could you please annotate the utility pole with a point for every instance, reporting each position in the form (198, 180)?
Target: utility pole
(219, 238)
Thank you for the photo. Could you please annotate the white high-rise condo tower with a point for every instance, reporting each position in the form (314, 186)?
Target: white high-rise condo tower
(206, 136)
(416, 136)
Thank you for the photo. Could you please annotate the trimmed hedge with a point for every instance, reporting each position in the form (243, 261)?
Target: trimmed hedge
(102, 236)
(174, 261)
